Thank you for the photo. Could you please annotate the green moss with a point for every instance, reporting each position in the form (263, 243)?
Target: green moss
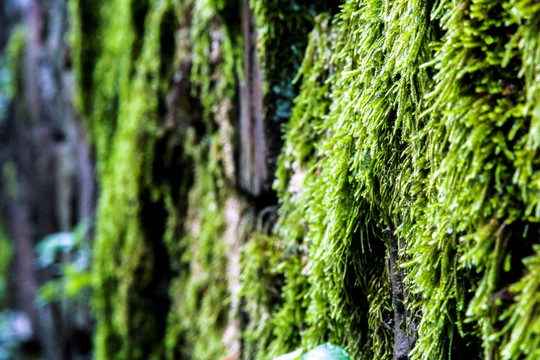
(413, 119)
(282, 27)
(217, 47)
(152, 221)
(86, 45)
(477, 206)
(9, 180)
(5, 260)
(348, 190)
(201, 308)
(201, 301)
(129, 230)
(262, 278)
(276, 265)
(11, 71)
(12, 78)
(15, 50)
(437, 162)
(106, 48)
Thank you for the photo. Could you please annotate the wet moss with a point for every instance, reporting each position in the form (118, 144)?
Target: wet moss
(432, 161)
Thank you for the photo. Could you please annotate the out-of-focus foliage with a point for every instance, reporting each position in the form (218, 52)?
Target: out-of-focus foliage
(67, 256)
(5, 88)
(326, 351)
(15, 328)
(10, 67)
(5, 260)
(163, 184)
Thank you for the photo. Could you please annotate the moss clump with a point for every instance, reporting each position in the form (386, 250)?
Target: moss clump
(216, 45)
(201, 297)
(12, 75)
(427, 135)
(106, 46)
(15, 50)
(349, 185)
(162, 173)
(477, 215)
(201, 300)
(262, 278)
(129, 252)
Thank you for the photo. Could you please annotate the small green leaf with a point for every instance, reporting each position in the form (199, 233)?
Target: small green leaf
(291, 356)
(326, 352)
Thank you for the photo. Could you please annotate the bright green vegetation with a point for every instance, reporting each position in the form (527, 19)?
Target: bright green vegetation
(427, 127)
(124, 99)
(413, 119)
(162, 183)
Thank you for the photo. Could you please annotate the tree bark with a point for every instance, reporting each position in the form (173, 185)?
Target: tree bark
(404, 335)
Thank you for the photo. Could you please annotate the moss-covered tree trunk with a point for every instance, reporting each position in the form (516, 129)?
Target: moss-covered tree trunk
(278, 174)
(402, 219)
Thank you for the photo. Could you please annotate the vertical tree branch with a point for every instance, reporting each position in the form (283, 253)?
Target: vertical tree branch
(253, 173)
(403, 335)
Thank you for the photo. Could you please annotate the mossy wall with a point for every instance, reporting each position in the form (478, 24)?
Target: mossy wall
(407, 187)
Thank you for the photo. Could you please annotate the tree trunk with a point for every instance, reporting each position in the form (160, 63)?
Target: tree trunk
(271, 176)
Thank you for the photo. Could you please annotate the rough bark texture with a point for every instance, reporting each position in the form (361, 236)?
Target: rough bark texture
(403, 325)
(253, 162)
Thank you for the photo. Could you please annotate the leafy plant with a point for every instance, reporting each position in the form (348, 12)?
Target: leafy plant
(325, 351)
(15, 328)
(67, 255)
